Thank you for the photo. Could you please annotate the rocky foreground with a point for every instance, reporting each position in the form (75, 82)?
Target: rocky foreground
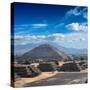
(54, 78)
(50, 73)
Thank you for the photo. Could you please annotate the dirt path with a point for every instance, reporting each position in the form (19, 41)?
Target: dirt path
(24, 81)
(60, 79)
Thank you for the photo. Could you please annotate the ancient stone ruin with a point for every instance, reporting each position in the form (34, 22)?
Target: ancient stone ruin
(46, 67)
(26, 70)
(70, 67)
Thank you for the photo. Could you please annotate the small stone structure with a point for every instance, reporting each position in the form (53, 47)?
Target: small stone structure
(47, 66)
(70, 67)
(26, 70)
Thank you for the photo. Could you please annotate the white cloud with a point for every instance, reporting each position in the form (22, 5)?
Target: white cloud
(29, 27)
(76, 36)
(39, 25)
(78, 11)
(20, 39)
(77, 26)
(85, 14)
(59, 25)
(74, 11)
(56, 37)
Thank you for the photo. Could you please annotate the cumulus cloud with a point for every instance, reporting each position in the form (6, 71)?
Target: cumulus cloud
(56, 37)
(76, 37)
(77, 26)
(20, 39)
(85, 14)
(78, 11)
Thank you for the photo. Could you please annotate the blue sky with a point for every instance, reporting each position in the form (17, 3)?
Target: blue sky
(41, 23)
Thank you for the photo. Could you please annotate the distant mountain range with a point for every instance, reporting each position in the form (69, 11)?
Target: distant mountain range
(73, 50)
